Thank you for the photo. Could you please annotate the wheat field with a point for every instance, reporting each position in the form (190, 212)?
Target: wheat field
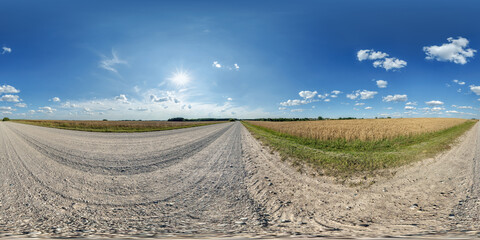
(360, 129)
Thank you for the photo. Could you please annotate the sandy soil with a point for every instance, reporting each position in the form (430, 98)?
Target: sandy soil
(215, 180)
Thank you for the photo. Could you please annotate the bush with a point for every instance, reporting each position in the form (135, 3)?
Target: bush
(6, 119)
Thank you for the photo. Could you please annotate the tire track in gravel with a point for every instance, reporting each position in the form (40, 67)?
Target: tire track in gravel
(200, 189)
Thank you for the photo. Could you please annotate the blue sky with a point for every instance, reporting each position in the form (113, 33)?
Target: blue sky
(244, 59)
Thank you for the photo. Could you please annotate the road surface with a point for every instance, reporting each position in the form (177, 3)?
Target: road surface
(218, 179)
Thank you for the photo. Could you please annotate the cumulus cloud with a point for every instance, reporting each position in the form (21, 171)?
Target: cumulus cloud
(459, 82)
(455, 51)
(475, 89)
(121, 98)
(21, 105)
(236, 66)
(55, 99)
(294, 102)
(216, 64)
(10, 98)
(229, 99)
(409, 107)
(307, 94)
(46, 109)
(6, 50)
(381, 59)
(368, 108)
(359, 104)
(336, 92)
(110, 63)
(156, 99)
(8, 89)
(370, 54)
(411, 103)
(434, 103)
(297, 110)
(327, 100)
(282, 108)
(390, 63)
(395, 98)
(382, 84)
(363, 94)
(6, 108)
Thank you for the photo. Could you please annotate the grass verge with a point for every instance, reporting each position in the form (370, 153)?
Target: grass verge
(343, 159)
(115, 126)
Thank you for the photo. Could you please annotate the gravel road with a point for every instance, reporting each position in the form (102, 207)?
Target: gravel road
(77, 183)
(217, 179)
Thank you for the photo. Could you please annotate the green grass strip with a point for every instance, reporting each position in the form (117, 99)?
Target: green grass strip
(118, 129)
(347, 158)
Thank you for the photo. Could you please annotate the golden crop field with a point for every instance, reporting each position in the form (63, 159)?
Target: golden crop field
(115, 126)
(360, 129)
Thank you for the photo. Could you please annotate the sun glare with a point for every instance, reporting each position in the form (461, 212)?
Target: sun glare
(180, 78)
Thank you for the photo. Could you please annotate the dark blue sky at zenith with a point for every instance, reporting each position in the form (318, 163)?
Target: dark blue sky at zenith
(244, 59)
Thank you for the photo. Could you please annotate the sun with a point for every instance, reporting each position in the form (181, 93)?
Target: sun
(180, 77)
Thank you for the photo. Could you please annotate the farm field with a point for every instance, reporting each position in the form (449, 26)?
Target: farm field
(116, 126)
(351, 147)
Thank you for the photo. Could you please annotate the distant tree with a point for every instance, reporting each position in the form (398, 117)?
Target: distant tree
(176, 119)
(320, 118)
(6, 119)
(105, 119)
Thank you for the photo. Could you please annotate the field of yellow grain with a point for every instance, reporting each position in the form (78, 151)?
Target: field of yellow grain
(360, 129)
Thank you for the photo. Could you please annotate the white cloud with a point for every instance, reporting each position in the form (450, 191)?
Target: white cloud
(327, 100)
(475, 89)
(382, 84)
(294, 102)
(110, 63)
(323, 96)
(156, 99)
(10, 98)
(8, 89)
(333, 96)
(381, 59)
(452, 111)
(229, 99)
(434, 103)
(216, 64)
(368, 108)
(370, 54)
(6, 50)
(458, 82)
(121, 98)
(55, 99)
(21, 105)
(464, 107)
(363, 94)
(455, 51)
(307, 94)
(46, 109)
(411, 103)
(409, 108)
(359, 104)
(336, 92)
(395, 98)
(296, 110)
(236, 66)
(389, 108)
(282, 108)
(6, 108)
(390, 63)
(437, 108)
